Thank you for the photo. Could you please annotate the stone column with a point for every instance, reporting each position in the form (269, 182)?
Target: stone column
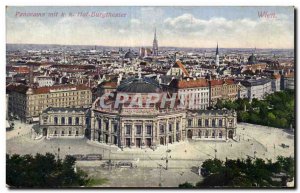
(174, 130)
(143, 133)
(109, 131)
(132, 134)
(101, 130)
(157, 132)
(167, 131)
(181, 128)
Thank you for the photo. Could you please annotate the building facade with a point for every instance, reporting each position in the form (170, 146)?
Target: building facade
(223, 89)
(28, 103)
(289, 81)
(257, 88)
(275, 82)
(194, 93)
(211, 124)
(56, 122)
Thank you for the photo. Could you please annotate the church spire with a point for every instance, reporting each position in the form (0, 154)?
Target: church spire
(217, 55)
(155, 45)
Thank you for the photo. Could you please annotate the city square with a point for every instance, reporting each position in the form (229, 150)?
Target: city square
(184, 158)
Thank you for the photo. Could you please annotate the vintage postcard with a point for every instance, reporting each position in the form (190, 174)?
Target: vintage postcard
(150, 97)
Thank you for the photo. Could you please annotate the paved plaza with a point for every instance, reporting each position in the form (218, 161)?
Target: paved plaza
(183, 157)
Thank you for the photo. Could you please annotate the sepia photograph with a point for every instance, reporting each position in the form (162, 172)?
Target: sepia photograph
(150, 97)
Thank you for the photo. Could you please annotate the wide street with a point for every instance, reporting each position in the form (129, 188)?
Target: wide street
(183, 157)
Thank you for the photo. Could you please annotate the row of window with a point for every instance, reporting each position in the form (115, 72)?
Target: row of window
(63, 133)
(60, 95)
(138, 129)
(69, 121)
(206, 121)
(214, 134)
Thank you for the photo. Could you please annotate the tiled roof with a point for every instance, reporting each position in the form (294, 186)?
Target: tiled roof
(216, 82)
(21, 88)
(44, 90)
(192, 83)
(290, 75)
(181, 66)
(276, 76)
(109, 84)
(221, 82)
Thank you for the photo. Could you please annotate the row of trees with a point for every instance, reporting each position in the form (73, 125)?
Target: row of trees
(276, 110)
(246, 173)
(43, 171)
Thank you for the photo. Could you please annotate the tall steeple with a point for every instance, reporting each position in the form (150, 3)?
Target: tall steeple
(217, 55)
(155, 45)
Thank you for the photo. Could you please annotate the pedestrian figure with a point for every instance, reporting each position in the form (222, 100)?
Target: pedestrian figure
(185, 151)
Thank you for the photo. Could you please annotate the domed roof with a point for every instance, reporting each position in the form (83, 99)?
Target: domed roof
(252, 59)
(139, 85)
(129, 55)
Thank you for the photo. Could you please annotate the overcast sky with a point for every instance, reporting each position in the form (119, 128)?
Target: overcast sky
(202, 27)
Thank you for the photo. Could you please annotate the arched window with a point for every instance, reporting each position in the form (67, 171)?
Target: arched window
(206, 122)
(70, 120)
(220, 134)
(62, 120)
(170, 127)
(161, 129)
(77, 121)
(55, 120)
(199, 122)
(206, 134)
(190, 122)
(220, 122)
(213, 123)
(213, 134)
(99, 123)
(62, 133)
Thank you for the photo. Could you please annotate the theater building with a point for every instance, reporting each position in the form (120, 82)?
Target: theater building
(153, 126)
(137, 126)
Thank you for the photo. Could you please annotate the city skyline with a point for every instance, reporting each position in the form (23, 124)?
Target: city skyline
(190, 27)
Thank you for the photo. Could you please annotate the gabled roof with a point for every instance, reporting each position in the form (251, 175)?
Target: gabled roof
(178, 64)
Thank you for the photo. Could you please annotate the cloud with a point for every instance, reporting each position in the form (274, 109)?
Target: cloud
(182, 30)
(135, 21)
(264, 33)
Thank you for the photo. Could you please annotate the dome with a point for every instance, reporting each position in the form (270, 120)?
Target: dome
(252, 59)
(129, 55)
(139, 85)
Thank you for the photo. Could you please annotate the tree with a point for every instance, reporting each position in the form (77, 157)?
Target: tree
(247, 173)
(212, 165)
(243, 116)
(42, 171)
(186, 185)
